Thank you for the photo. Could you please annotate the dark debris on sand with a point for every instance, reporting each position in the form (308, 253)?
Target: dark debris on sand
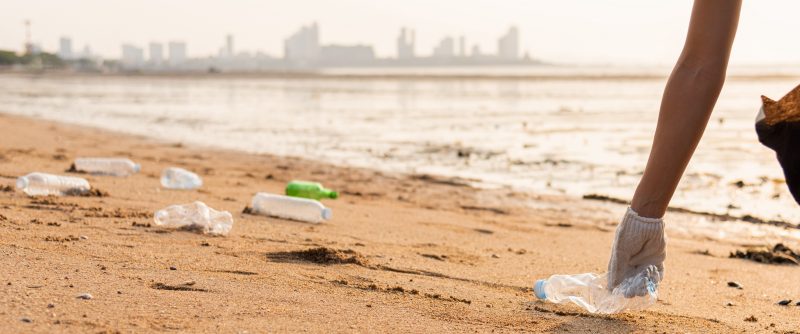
(94, 192)
(181, 287)
(714, 216)
(778, 254)
(72, 169)
(320, 255)
(733, 284)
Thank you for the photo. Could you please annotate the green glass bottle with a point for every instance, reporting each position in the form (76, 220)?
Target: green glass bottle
(312, 190)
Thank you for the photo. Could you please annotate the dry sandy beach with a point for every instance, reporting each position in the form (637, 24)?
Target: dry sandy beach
(403, 253)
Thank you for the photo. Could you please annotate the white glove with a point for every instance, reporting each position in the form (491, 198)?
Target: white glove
(639, 246)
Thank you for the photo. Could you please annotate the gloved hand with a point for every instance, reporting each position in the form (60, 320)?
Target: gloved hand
(639, 246)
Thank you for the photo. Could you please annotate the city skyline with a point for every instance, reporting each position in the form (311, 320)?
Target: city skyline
(305, 42)
(507, 48)
(571, 31)
(304, 49)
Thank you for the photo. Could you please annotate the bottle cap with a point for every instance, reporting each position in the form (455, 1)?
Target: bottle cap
(538, 289)
(327, 213)
(137, 168)
(22, 182)
(333, 195)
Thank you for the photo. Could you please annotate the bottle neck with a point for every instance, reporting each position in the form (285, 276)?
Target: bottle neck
(329, 193)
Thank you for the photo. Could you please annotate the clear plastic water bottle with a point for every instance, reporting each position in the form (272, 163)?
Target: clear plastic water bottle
(590, 291)
(43, 184)
(195, 216)
(294, 208)
(179, 178)
(107, 166)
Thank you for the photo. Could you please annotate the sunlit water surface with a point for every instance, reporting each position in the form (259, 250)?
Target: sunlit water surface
(551, 130)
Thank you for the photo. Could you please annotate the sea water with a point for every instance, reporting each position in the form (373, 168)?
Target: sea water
(560, 130)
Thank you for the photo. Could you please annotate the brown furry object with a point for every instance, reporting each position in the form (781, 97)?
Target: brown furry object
(787, 109)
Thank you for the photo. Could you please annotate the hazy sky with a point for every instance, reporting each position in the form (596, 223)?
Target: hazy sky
(589, 31)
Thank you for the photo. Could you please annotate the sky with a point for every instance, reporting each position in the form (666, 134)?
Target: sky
(567, 31)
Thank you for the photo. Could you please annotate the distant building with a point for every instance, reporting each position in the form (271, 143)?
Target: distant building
(405, 44)
(508, 44)
(303, 47)
(229, 46)
(65, 48)
(476, 50)
(445, 49)
(33, 48)
(156, 53)
(226, 51)
(87, 52)
(346, 55)
(177, 53)
(462, 46)
(132, 57)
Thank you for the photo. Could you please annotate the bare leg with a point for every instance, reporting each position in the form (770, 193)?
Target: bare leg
(689, 98)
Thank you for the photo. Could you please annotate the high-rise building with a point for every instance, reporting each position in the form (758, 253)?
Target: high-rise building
(229, 46)
(508, 44)
(156, 53)
(177, 53)
(65, 48)
(303, 46)
(445, 49)
(346, 55)
(132, 56)
(405, 44)
(462, 46)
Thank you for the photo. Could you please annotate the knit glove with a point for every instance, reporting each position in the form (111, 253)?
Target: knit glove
(639, 251)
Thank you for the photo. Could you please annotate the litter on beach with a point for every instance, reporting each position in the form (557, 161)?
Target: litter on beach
(43, 184)
(106, 166)
(179, 178)
(292, 208)
(310, 190)
(196, 216)
(590, 292)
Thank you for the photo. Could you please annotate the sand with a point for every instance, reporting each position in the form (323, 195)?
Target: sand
(403, 253)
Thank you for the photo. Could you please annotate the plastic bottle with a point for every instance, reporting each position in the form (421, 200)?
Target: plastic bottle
(107, 166)
(590, 291)
(294, 208)
(195, 216)
(43, 184)
(179, 178)
(311, 190)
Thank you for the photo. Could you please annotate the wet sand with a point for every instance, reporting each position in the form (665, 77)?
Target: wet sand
(410, 253)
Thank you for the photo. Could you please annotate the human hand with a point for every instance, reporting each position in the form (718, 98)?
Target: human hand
(639, 246)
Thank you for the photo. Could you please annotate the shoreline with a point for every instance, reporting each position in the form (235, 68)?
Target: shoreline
(377, 76)
(420, 253)
(715, 216)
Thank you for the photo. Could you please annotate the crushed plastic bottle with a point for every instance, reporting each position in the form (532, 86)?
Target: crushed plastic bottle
(179, 178)
(107, 166)
(43, 184)
(310, 190)
(196, 217)
(294, 208)
(590, 291)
